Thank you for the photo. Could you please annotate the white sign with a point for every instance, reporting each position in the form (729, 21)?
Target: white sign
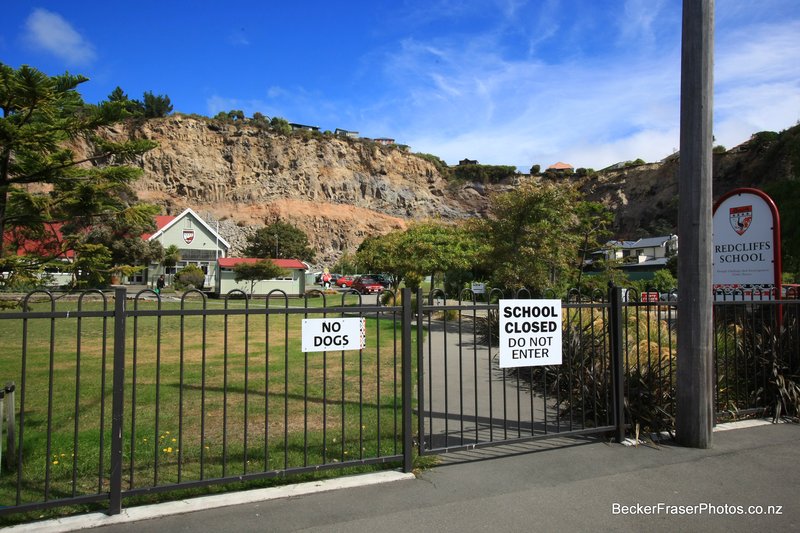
(478, 288)
(530, 333)
(744, 244)
(326, 334)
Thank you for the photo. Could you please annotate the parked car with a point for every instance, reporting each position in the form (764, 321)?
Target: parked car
(345, 281)
(790, 291)
(671, 296)
(367, 285)
(380, 278)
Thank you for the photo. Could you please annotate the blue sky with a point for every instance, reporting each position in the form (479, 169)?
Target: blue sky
(501, 81)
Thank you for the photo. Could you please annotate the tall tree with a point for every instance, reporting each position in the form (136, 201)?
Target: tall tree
(279, 240)
(156, 106)
(538, 235)
(133, 108)
(425, 248)
(41, 115)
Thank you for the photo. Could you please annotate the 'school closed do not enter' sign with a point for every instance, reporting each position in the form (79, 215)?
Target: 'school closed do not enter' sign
(530, 333)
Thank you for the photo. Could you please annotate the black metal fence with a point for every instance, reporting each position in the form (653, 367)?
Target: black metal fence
(757, 353)
(119, 398)
(124, 396)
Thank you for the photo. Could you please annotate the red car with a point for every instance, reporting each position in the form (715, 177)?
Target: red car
(365, 285)
(345, 281)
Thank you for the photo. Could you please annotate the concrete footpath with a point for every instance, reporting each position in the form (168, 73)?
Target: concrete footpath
(748, 481)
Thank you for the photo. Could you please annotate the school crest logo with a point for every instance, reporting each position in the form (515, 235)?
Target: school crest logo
(740, 218)
(188, 236)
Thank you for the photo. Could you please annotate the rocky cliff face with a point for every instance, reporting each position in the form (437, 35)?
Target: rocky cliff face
(644, 198)
(337, 190)
(340, 190)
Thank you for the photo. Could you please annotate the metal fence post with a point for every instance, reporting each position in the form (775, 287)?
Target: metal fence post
(618, 378)
(408, 443)
(11, 424)
(420, 371)
(118, 384)
(2, 419)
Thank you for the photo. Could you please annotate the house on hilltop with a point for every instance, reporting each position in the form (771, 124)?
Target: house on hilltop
(561, 168)
(302, 127)
(346, 133)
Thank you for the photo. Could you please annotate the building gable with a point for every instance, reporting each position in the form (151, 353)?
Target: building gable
(188, 231)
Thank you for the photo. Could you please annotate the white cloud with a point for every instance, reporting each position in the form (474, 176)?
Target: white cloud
(467, 98)
(51, 32)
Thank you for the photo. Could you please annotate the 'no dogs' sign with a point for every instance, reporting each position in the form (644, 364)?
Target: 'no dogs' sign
(530, 333)
(323, 334)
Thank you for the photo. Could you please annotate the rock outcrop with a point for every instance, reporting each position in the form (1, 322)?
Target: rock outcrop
(337, 190)
(340, 190)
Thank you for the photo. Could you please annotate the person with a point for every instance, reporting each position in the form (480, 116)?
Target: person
(326, 280)
(160, 284)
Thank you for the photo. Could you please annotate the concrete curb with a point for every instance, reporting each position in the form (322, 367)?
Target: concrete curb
(148, 512)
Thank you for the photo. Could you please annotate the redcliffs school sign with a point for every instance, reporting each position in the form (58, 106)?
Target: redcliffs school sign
(747, 246)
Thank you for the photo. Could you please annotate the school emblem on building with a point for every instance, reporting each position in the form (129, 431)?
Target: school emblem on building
(188, 236)
(740, 218)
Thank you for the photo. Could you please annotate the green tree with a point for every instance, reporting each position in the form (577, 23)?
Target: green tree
(664, 281)
(91, 265)
(156, 106)
(594, 221)
(260, 120)
(255, 272)
(536, 236)
(132, 107)
(483, 173)
(279, 240)
(281, 125)
(172, 254)
(40, 116)
(425, 248)
(786, 194)
(123, 239)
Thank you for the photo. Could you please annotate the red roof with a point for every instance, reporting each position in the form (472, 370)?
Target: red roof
(560, 166)
(50, 245)
(230, 262)
(161, 221)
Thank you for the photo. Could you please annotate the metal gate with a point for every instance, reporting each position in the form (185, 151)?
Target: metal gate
(466, 401)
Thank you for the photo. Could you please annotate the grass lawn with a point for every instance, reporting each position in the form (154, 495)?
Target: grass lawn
(206, 396)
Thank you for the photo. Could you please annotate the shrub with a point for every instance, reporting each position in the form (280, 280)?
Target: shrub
(190, 277)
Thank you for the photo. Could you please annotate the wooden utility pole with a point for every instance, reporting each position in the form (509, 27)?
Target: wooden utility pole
(695, 391)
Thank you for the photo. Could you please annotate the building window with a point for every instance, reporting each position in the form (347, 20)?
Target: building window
(198, 255)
